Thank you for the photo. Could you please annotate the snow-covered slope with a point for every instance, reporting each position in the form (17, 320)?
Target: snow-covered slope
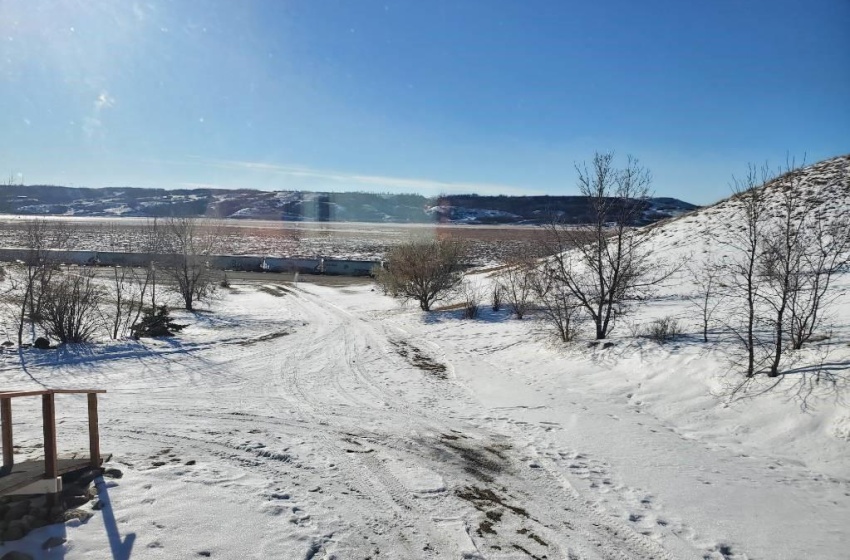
(704, 231)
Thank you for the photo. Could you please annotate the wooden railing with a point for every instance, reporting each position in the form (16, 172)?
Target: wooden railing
(48, 412)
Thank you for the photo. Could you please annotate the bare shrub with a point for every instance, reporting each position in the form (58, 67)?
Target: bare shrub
(496, 297)
(557, 305)
(426, 271)
(71, 306)
(662, 330)
(516, 282)
(471, 298)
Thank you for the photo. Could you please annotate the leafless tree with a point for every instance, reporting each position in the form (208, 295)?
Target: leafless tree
(188, 244)
(516, 285)
(786, 251)
(152, 240)
(71, 306)
(827, 253)
(781, 257)
(128, 286)
(708, 297)
(33, 273)
(605, 264)
(741, 270)
(425, 271)
(556, 303)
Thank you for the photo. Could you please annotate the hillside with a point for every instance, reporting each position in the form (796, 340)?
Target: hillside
(704, 231)
(307, 206)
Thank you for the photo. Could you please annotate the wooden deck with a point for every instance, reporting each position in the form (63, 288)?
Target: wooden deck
(16, 477)
(19, 475)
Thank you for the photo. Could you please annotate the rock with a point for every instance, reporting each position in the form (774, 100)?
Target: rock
(52, 542)
(77, 501)
(17, 510)
(190, 462)
(57, 513)
(42, 343)
(113, 473)
(97, 505)
(39, 512)
(15, 555)
(72, 514)
(28, 523)
(13, 532)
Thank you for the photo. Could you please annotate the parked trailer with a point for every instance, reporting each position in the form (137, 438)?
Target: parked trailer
(281, 264)
(242, 263)
(340, 267)
(108, 258)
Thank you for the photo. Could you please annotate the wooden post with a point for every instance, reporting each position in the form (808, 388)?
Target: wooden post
(6, 419)
(48, 413)
(94, 435)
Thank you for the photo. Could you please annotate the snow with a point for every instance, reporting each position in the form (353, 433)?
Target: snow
(329, 422)
(326, 441)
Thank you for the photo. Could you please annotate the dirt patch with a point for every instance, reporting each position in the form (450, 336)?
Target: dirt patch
(481, 461)
(420, 360)
(263, 338)
(275, 290)
(485, 499)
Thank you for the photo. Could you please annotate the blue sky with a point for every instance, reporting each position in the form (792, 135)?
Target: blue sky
(490, 96)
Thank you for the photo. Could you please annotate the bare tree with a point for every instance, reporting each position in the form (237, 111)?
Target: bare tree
(605, 264)
(425, 271)
(827, 253)
(152, 245)
(128, 287)
(516, 285)
(707, 298)
(786, 251)
(189, 243)
(781, 257)
(71, 306)
(34, 271)
(741, 271)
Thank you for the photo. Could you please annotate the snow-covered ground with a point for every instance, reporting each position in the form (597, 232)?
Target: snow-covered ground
(314, 422)
(331, 423)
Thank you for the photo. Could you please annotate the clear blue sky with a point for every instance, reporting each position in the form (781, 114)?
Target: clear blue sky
(493, 96)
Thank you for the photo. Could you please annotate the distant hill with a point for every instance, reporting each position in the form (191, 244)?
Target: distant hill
(308, 206)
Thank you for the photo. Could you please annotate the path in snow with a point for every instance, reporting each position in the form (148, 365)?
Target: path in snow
(314, 431)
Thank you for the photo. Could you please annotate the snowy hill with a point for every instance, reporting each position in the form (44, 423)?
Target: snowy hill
(703, 231)
(308, 206)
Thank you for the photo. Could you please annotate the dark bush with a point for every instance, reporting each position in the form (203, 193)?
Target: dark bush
(42, 343)
(155, 323)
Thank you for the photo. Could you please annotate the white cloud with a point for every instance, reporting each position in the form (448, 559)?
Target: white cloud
(103, 101)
